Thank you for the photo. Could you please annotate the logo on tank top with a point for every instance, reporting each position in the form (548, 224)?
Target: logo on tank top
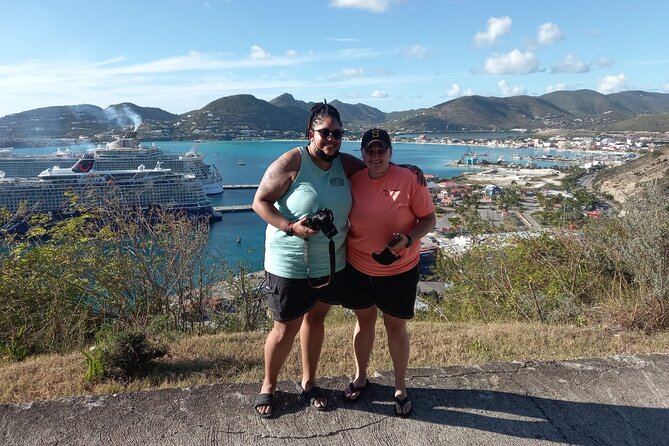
(336, 181)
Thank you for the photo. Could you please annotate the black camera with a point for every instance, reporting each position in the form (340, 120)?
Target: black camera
(322, 221)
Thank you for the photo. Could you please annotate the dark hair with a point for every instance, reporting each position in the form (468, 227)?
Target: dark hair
(320, 111)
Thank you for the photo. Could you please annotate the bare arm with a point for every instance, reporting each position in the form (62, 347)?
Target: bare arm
(423, 226)
(275, 182)
(351, 164)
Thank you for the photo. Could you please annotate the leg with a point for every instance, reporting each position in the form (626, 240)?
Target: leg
(363, 342)
(312, 333)
(398, 344)
(277, 348)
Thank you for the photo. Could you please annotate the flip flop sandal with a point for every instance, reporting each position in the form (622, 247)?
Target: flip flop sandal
(353, 389)
(311, 395)
(264, 399)
(402, 402)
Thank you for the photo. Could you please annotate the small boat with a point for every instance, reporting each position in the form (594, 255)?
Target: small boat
(241, 163)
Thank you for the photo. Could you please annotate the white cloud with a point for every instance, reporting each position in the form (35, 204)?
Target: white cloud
(514, 62)
(379, 94)
(292, 53)
(258, 53)
(612, 84)
(416, 52)
(454, 91)
(549, 33)
(497, 27)
(602, 62)
(570, 64)
(508, 90)
(350, 72)
(556, 87)
(369, 5)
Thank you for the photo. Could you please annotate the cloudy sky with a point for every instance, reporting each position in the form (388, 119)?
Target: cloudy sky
(394, 55)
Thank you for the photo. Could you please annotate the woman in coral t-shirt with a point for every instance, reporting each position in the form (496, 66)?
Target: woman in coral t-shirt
(390, 211)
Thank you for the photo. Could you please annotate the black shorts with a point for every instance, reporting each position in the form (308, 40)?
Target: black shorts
(292, 298)
(394, 295)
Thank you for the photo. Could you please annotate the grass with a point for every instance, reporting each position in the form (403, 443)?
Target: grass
(237, 358)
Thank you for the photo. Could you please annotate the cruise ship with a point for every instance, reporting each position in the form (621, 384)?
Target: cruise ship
(137, 189)
(124, 153)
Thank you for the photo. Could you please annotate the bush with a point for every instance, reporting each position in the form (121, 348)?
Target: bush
(123, 355)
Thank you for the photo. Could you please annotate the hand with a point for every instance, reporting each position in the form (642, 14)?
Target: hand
(398, 241)
(303, 231)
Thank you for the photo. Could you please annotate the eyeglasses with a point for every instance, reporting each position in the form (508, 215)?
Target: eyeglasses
(370, 152)
(325, 133)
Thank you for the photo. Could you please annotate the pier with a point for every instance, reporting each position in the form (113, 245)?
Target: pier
(240, 186)
(234, 208)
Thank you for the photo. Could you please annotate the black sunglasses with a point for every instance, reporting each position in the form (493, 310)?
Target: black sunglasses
(325, 133)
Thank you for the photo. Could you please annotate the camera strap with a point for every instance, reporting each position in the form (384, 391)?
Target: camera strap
(331, 251)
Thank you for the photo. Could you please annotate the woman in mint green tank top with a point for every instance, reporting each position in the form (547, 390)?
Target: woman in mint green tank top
(303, 264)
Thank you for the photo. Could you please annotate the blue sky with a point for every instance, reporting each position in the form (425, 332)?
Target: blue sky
(394, 55)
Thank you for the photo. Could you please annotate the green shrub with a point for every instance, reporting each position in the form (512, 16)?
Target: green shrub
(123, 355)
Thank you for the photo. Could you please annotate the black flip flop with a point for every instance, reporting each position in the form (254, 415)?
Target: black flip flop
(264, 399)
(313, 394)
(353, 389)
(402, 402)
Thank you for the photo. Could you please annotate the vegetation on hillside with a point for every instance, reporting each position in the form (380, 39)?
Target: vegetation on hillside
(124, 291)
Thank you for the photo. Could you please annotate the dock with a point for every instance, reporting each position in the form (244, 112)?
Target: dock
(234, 208)
(240, 186)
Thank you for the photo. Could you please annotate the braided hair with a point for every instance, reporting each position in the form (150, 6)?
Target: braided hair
(320, 111)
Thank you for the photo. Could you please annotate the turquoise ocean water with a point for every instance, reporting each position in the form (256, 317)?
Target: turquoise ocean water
(244, 162)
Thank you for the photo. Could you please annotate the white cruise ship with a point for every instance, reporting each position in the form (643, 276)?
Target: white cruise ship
(123, 153)
(138, 189)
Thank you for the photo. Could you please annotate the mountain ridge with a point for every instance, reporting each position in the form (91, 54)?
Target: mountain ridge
(241, 115)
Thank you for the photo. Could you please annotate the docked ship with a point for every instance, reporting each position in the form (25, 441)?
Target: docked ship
(123, 153)
(139, 189)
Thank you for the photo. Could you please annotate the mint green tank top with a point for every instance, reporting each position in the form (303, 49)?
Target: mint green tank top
(313, 189)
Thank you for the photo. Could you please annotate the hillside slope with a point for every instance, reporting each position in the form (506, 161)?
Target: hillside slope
(624, 181)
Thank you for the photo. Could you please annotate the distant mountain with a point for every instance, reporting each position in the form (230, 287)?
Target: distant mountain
(586, 103)
(359, 117)
(243, 116)
(59, 121)
(287, 100)
(487, 113)
(128, 113)
(246, 112)
(642, 102)
(355, 117)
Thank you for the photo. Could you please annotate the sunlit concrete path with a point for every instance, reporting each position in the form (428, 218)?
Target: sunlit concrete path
(601, 401)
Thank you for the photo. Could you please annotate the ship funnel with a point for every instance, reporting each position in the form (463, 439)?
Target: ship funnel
(84, 165)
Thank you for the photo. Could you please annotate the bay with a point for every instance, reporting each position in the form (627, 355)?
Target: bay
(239, 237)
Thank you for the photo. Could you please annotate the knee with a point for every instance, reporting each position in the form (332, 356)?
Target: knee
(395, 327)
(366, 319)
(317, 315)
(284, 332)
(315, 318)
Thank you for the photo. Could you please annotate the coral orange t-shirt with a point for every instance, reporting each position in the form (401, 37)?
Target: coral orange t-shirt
(382, 207)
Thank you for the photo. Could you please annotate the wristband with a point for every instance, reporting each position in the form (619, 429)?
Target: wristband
(289, 229)
(409, 241)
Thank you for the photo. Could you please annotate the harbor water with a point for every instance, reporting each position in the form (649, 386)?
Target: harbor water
(239, 237)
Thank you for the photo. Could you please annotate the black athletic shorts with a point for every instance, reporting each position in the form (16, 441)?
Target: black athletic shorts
(394, 295)
(292, 298)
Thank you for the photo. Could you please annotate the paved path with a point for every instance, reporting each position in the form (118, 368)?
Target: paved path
(617, 400)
